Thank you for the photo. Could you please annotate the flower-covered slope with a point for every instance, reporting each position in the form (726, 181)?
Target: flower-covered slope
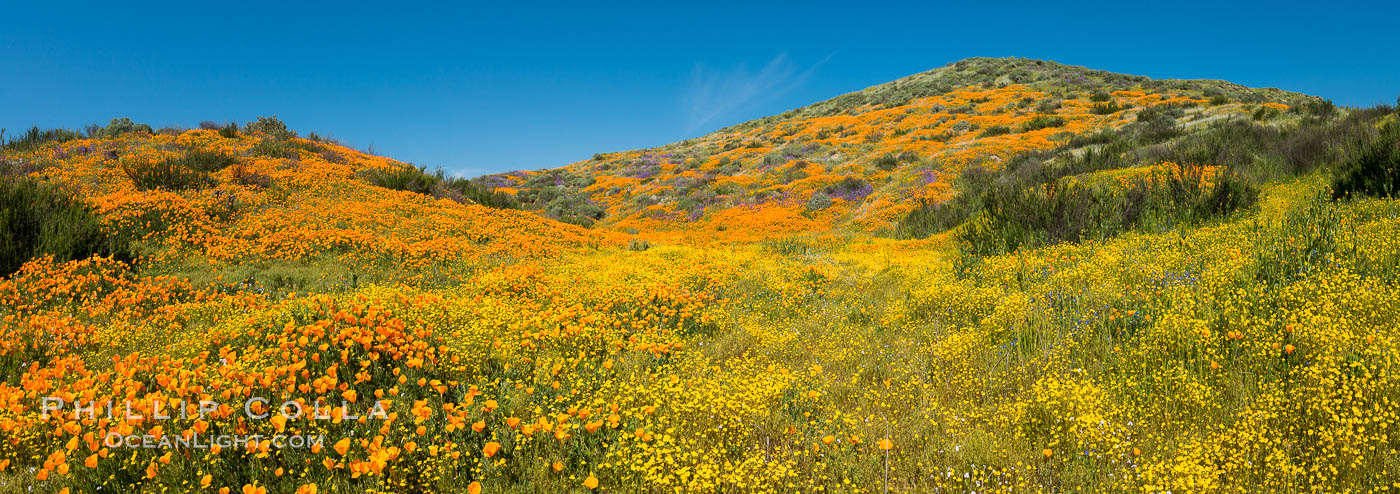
(287, 199)
(863, 160)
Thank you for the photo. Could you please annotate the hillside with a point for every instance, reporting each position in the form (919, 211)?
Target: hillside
(235, 202)
(997, 276)
(864, 160)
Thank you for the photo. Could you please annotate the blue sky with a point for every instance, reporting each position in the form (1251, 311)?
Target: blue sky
(479, 88)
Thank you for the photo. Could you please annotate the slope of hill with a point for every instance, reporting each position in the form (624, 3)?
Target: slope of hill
(229, 200)
(864, 160)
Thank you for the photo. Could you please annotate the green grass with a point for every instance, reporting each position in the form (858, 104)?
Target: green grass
(38, 220)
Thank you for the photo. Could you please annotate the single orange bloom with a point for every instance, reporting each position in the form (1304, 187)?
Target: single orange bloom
(342, 446)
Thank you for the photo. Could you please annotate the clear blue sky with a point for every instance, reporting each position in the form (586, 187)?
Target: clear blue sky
(489, 88)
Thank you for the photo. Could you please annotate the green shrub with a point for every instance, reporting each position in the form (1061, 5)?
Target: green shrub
(1013, 217)
(1048, 106)
(229, 131)
(123, 125)
(887, 162)
(271, 126)
(408, 177)
(995, 130)
(1042, 122)
(574, 210)
(931, 218)
(38, 220)
(274, 148)
(167, 174)
(413, 178)
(35, 138)
(1373, 167)
(204, 161)
(1108, 108)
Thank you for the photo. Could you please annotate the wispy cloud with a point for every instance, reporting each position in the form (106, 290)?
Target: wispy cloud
(715, 93)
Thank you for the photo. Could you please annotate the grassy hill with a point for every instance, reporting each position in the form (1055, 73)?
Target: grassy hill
(1002, 275)
(865, 160)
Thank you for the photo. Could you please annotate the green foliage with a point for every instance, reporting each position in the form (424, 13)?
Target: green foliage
(559, 194)
(438, 184)
(229, 131)
(1304, 243)
(995, 130)
(190, 170)
(931, 218)
(408, 177)
(1108, 108)
(574, 209)
(38, 220)
(204, 161)
(275, 148)
(1042, 122)
(887, 162)
(35, 138)
(1373, 169)
(168, 174)
(1012, 218)
(271, 126)
(123, 125)
(1244, 148)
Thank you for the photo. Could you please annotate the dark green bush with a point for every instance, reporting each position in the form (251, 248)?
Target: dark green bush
(168, 174)
(1013, 217)
(1042, 122)
(204, 161)
(271, 126)
(931, 218)
(574, 210)
(413, 178)
(274, 148)
(995, 130)
(35, 138)
(1373, 166)
(1108, 108)
(123, 125)
(190, 170)
(38, 220)
(408, 177)
(887, 162)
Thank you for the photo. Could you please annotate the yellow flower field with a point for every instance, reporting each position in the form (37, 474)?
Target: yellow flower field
(352, 338)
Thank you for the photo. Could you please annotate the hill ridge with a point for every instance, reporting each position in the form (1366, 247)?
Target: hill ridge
(1038, 105)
